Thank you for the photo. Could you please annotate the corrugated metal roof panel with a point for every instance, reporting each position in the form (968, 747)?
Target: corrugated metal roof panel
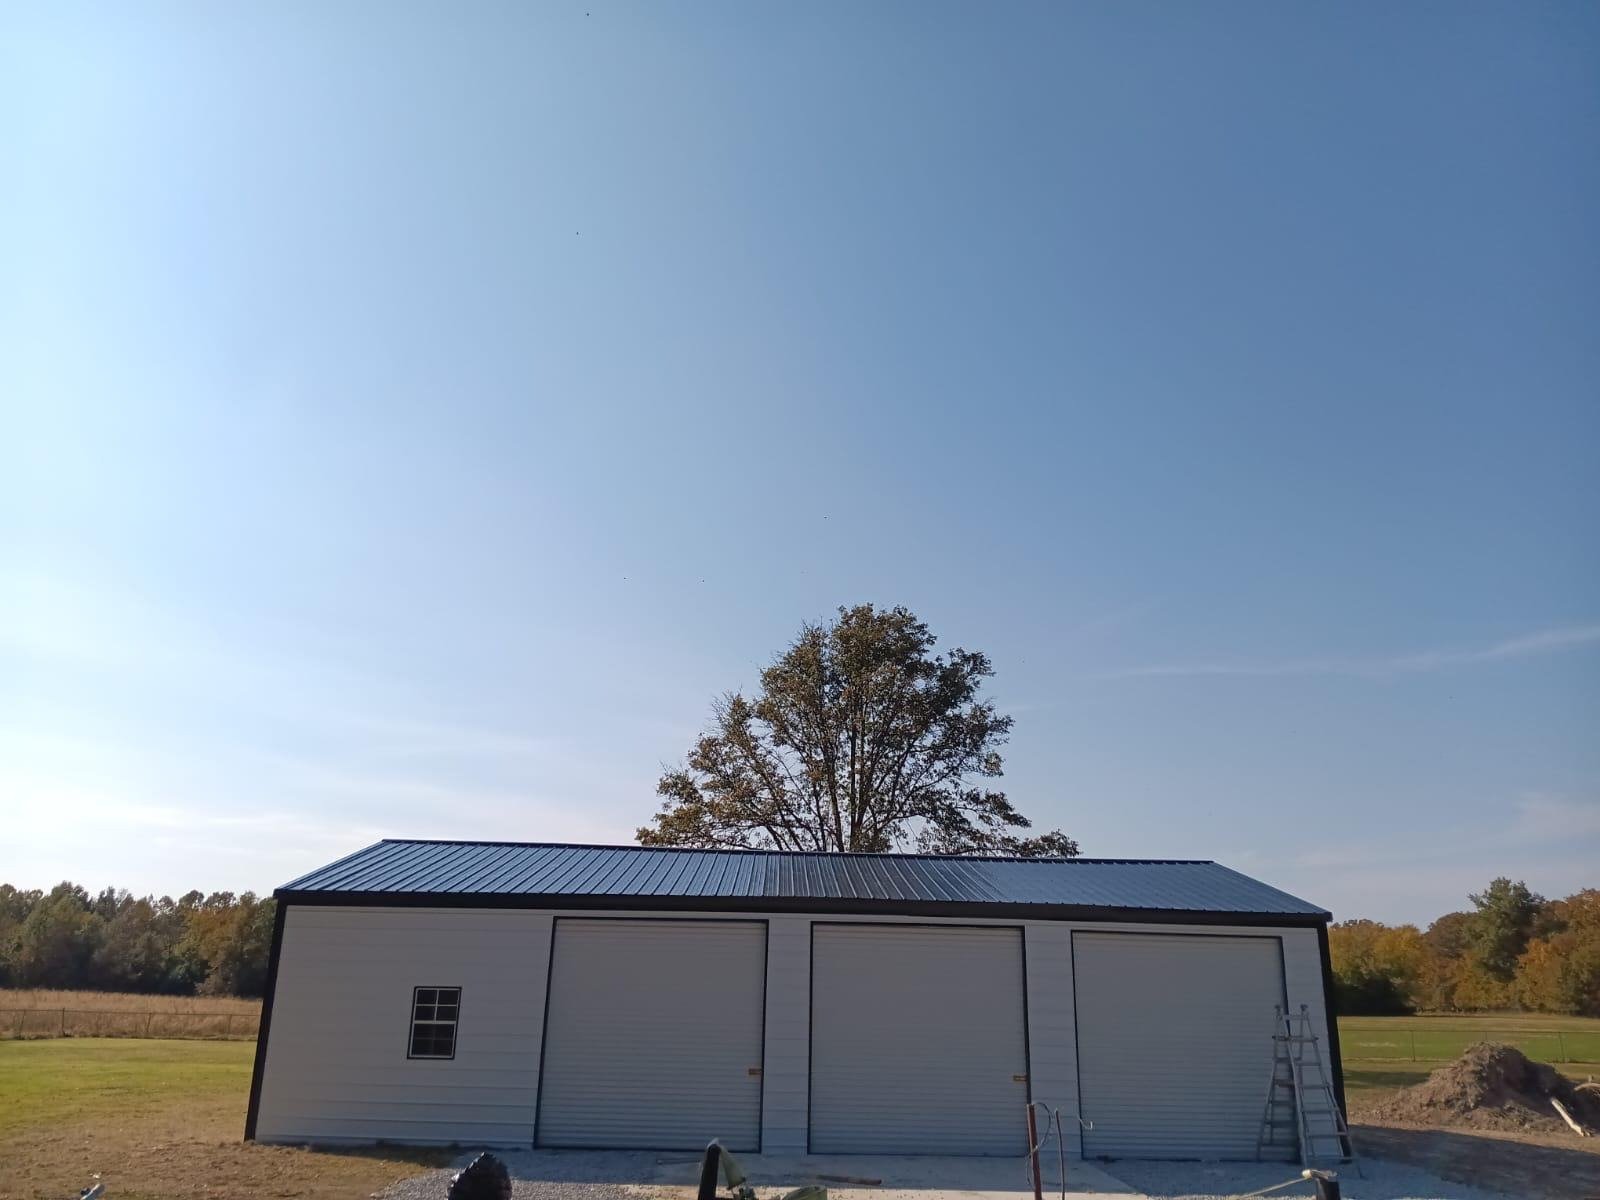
(512, 869)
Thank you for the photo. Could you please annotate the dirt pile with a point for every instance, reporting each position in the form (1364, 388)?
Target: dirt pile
(1490, 1087)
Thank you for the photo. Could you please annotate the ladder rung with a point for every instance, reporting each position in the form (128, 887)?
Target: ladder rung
(1298, 1069)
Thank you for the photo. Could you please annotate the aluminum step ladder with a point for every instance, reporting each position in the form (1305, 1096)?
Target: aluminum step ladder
(1300, 1097)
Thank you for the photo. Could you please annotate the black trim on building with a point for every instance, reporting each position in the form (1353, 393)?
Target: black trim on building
(1332, 1017)
(544, 1038)
(805, 906)
(265, 1028)
(1077, 1046)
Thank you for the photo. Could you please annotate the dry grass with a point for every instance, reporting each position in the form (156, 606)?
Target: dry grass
(160, 1120)
(43, 1013)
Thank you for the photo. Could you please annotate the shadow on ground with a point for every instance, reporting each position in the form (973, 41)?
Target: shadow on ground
(1534, 1166)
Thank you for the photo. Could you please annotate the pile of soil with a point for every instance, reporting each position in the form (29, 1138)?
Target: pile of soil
(1490, 1087)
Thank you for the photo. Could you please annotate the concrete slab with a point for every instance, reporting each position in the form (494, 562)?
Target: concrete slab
(652, 1175)
(919, 1177)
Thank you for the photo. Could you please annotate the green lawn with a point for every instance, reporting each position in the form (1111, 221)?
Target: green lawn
(160, 1120)
(48, 1082)
(1434, 1039)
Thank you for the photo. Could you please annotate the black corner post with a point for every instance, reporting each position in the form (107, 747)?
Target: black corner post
(265, 1025)
(1335, 1058)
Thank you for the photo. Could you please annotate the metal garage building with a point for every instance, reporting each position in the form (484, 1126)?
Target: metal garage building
(616, 996)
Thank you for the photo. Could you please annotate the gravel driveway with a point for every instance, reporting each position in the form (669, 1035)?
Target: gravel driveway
(535, 1175)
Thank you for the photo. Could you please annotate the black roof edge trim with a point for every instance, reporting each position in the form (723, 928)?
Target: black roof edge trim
(822, 905)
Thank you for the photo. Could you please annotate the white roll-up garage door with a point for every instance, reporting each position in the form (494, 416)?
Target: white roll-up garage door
(1174, 1042)
(918, 1042)
(653, 1034)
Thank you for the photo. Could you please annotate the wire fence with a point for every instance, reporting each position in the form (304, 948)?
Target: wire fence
(96, 1022)
(1378, 1042)
(1360, 1040)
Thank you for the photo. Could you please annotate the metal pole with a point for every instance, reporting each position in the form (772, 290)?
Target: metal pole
(1033, 1153)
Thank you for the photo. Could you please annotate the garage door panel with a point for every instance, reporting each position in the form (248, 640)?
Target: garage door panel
(1174, 1042)
(917, 1037)
(652, 1033)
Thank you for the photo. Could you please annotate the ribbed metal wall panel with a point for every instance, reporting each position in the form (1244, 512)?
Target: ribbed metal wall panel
(653, 1037)
(918, 1042)
(336, 1065)
(1174, 1042)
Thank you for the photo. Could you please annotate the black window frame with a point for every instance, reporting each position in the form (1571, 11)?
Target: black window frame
(434, 1022)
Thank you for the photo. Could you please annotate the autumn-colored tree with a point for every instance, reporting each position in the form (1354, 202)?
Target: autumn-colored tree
(228, 939)
(1445, 943)
(1457, 965)
(1560, 972)
(1376, 967)
(863, 739)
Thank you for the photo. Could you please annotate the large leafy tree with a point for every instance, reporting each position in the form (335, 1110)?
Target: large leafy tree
(1505, 920)
(862, 738)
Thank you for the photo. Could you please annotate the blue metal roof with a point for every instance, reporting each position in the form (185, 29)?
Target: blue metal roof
(527, 873)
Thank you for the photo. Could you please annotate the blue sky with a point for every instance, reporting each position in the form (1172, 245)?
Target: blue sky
(416, 414)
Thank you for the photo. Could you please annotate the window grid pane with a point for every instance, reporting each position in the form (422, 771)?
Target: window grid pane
(434, 1012)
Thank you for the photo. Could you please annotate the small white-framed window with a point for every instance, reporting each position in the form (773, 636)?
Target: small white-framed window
(434, 1014)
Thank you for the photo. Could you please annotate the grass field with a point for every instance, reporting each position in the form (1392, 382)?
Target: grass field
(1434, 1039)
(1385, 1053)
(36, 1013)
(159, 1120)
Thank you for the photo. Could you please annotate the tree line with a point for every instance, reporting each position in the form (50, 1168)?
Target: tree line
(215, 945)
(1513, 950)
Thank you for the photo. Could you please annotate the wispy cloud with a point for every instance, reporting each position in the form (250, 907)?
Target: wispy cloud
(1544, 641)
(1542, 817)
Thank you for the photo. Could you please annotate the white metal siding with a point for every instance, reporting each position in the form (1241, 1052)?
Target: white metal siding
(654, 1034)
(918, 1040)
(786, 1069)
(1174, 1042)
(336, 1065)
(1052, 1066)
